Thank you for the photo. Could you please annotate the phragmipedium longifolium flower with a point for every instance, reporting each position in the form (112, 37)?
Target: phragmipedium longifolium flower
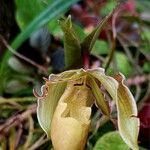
(64, 107)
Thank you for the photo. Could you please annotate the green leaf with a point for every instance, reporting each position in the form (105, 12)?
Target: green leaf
(54, 28)
(71, 44)
(108, 7)
(26, 11)
(79, 31)
(24, 16)
(51, 12)
(89, 41)
(123, 64)
(14, 86)
(146, 67)
(18, 66)
(128, 123)
(100, 47)
(143, 5)
(111, 141)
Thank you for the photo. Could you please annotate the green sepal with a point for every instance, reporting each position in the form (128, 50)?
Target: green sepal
(71, 44)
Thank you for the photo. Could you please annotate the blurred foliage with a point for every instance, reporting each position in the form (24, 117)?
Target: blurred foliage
(24, 9)
(100, 48)
(52, 11)
(123, 64)
(24, 17)
(108, 7)
(111, 141)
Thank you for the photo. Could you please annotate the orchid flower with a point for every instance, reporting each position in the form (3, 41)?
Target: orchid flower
(65, 105)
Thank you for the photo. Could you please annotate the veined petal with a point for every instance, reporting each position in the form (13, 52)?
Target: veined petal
(128, 123)
(67, 75)
(71, 120)
(99, 97)
(64, 75)
(51, 93)
(108, 82)
(48, 103)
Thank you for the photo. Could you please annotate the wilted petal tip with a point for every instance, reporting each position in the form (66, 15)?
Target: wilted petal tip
(44, 91)
(45, 79)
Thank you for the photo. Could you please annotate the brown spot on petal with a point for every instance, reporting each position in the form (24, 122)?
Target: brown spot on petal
(134, 116)
(78, 84)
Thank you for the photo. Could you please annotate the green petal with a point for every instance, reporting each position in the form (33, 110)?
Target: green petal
(99, 97)
(108, 82)
(128, 123)
(48, 103)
